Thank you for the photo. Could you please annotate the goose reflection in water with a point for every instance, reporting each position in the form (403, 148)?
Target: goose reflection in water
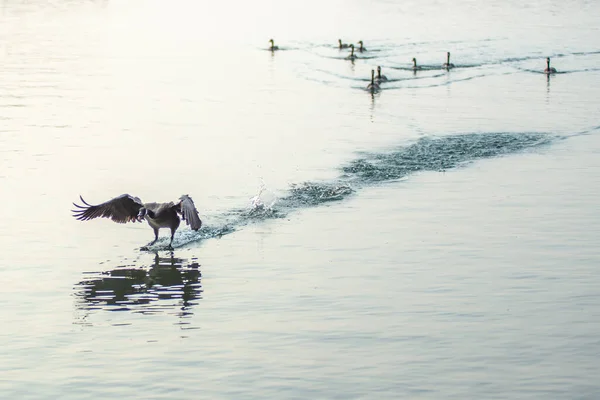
(169, 283)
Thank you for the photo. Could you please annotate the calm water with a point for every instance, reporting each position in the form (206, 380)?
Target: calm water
(438, 239)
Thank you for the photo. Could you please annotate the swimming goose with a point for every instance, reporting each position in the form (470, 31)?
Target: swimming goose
(126, 208)
(448, 64)
(361, 48)
(549, 70)
(273, 47)
(415, 67)
(343, 45)
(351, 57)
(380, 78)
(373, 86)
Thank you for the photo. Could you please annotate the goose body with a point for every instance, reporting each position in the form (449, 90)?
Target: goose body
(549, 69)
(380, 78)
(273, 47)
(127, 208)
(351, 57)
(448, 64)
(361, 48)
(342, 45)
(373, 86)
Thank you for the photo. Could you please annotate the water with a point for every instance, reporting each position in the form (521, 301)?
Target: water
(435, 239)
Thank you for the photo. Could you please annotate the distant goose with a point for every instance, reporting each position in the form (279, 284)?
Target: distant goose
(361, 48)
(373, 86)
(549, 69)
(273, 47)
(415, 67)
(351, 56)
(448, 64)
(342, 45)
(126, 208)
(380, 78)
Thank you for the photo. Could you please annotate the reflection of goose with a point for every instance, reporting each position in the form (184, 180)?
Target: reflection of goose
(415, 67)
(549, 70)
(380, 78)
(343, 45)
(167, 278)
(351, 56)
(373, 86)
(273, 47)
(448, 64)
(361, 48)
(126, 208)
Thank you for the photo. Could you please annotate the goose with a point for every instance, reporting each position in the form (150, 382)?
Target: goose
(273, 47)
(373, 86)
(380, 78)
(549, 69)
(351, 57)
(448, 64)
(127, 208)
(342, 45)
(361, 48)
(415, 67)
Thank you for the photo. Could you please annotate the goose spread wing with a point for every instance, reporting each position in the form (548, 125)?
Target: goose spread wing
(121, 209)
(189, 212)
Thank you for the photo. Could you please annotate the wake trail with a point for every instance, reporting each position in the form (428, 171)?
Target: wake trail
(440, 153)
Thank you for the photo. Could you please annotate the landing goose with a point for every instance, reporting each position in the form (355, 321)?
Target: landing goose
(127, 208)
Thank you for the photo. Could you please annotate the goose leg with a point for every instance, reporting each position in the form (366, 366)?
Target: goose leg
(172, 236)
(155, 237)
(152, 242)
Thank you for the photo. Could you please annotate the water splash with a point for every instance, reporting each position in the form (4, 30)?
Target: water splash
(264, 200)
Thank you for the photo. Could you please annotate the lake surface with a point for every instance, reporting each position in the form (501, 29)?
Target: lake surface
(435, 239)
